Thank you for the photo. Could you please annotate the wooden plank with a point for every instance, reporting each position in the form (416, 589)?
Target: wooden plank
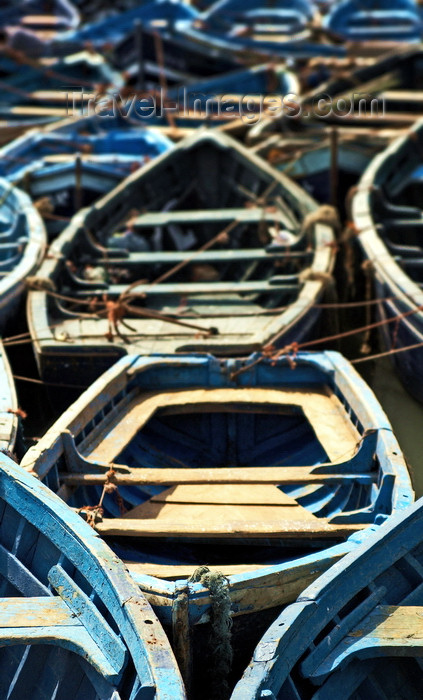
(414, 96)
(323, 410)
(84, 610)
(225, 495)
(209, 515)
(181, 571)
(214, 504)
(207, 256)
(198, 530)
(40, 20)
(36, 612)
(193, 288)
(37, 111)
(283, 476)
(203, 216)
(396, 629)
(56, 96)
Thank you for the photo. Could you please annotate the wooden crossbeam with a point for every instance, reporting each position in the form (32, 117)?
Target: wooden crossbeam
(35, 612)
(57, 96)
(208, 256)
(41, 20)
(203, 216)
(37, 111)
(47, 619)
(284, 476)
(289, 528)
(192, 288)
(182, 571)
(398, 630)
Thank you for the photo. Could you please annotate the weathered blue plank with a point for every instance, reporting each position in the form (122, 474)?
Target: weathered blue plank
(76, 596)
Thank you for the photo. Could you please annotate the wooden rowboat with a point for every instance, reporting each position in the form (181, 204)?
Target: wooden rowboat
(73, 624)
(356, 632)
(181, 461)
(325, 162)
(387, 216)
(250, 28)
(357, 93)
(38, 92)
(22, 245)
(253, 258)
(375, 20)
(377, 93)
(39, 15)
(69, 168)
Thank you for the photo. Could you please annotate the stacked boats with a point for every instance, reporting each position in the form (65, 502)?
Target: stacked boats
(211, 506)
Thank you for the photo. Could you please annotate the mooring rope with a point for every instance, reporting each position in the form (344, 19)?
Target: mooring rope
(221, 624)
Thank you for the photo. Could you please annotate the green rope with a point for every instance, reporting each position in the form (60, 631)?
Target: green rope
(221, 623)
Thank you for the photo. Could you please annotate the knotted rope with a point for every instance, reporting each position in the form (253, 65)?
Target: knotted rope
(95, 513)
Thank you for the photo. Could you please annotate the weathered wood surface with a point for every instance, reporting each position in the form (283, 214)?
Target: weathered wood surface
(184, 571)
(283, 476)
(388, 630)
(289, 528)
(249, 590)
(192, 288)
(68, 559)
(235, 187)
(203, 216)
(325, 413)
(209, 256)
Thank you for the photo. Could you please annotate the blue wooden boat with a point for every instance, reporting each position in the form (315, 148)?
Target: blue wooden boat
(231, 293)
(132, 38)
(46, 91)
(241, 95)
(273, 29)
(324, 164)
(70, 167)
(376, 20)
(356, 632)
(387, 214)
(180, 461)
(50, 15)
(237, 94)
(22, 246)
(386, 92)
(164, 48)
(112, 29)
(73, 623)
(275, 19)
(393, 84)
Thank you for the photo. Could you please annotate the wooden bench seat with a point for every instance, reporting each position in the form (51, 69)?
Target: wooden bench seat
(397, 630)
(193, 288)
(206, 216)
(207, 256)
(283, 476)
(289, 528)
